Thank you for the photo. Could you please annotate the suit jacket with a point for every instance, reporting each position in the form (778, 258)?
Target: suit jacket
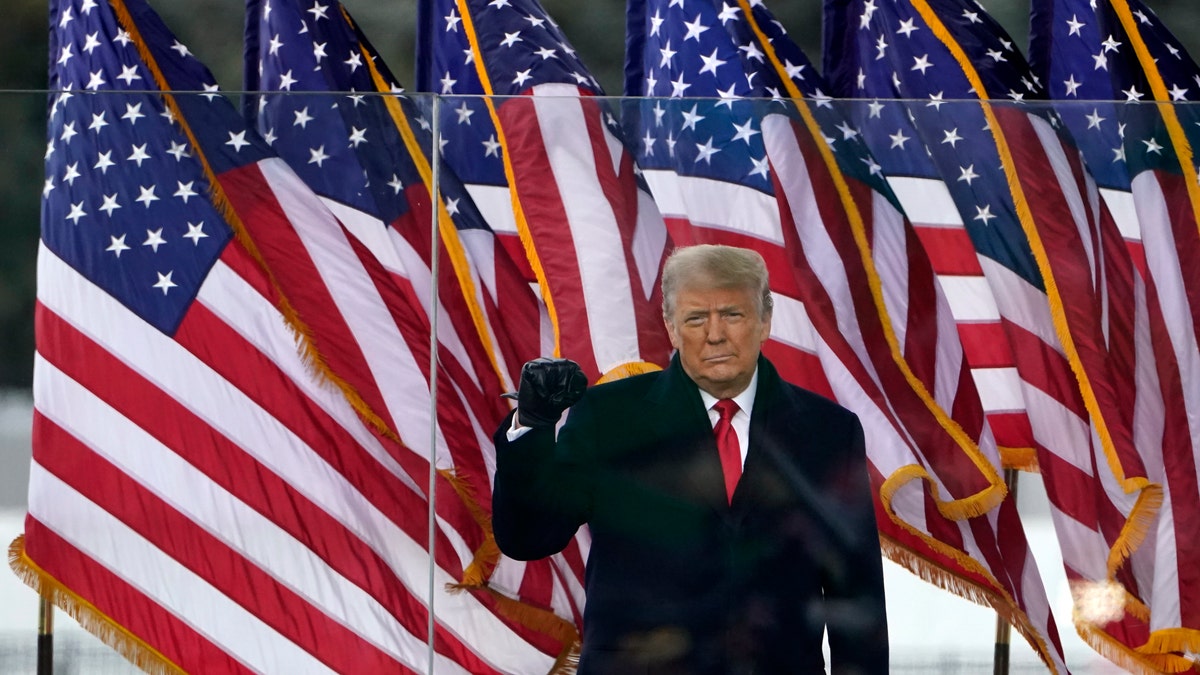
(678, 578)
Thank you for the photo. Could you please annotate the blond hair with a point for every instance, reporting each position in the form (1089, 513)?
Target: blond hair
(715, 266)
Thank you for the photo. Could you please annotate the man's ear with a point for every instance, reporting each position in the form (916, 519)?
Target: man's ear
(671, 332)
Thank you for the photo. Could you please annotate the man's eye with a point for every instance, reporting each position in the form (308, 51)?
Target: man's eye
(694, 320)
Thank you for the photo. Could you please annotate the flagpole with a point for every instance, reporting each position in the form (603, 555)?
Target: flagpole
(45, 640)
(1000, 656)
(435, 201)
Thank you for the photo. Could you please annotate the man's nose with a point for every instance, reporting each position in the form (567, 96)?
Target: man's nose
(715, 330)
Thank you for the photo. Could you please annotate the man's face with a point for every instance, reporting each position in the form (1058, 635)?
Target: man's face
(718, 334)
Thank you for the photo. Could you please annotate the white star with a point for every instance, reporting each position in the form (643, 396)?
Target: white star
(679, 86)
(968, 174)
(133, 113)
(848, 132)
(694, 29)
(491, 147)
(996, 55)
(452, 207)
(984, 213)
(154, 239)
(648, 144)
(302, 118)
(666, 54)
(511, 39)
(464, 113)
(898, 139)
(952, 137)
(164, 281)
(139, 154)
(110, 204)
(98, 122)
(752, 52)
(183, 51)
(146, 195)
(1072, 85)
(269, 137)
(452, 21)
(448, 83)
(1132, 94)
(522, 77)
(118, 245)
(761, 167)
(123, 37)
(129, 74)
(76, 213)
(875, 109)
(319, 51)
(727, 96)
(705, 152)
(936, 101)
(973, 17)
(286, 80)
(499, 3)
(822, 99)
(66, 18)
(355, 61)
(103, 161)
(535, 21)
(1101, 61)
(317, 156)
(921, 63)
(1094, 119)
(881, 46)
(318, 11)
(95, 80)
(274, 45)
(357, 136)
(744, 132)
(873, 167)
(238, 140)
(869, 9)
(195, 232)
(656, 23)
(546, 53)
(1118, 154)
(48, 187)
(1074, 25)
(728, 13)
(185, 191)
(793, 71)
(1178, 94)
(1152, 147)
(907, 28)
(71, 174)
(690, 118)
(1111, 44)
(671, 143)
(179, 151)
(395, 184)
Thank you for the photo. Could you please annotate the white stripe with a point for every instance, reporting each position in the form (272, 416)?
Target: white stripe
(164, 580)
(970, 298)
(598, 249)
(1067, 189)
(1058, 429)
(999, 389)
(649, 241)
(1124, 211)
(716, 204)
(216, 511)
(1021, 303)
(357, 300)
(926, 201)
(1083, 548)
(790, 324)
(144, 349)
(495, 203)
(889, 251)
(1037, 606)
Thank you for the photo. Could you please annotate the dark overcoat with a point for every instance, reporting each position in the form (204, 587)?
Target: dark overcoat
(678, 579)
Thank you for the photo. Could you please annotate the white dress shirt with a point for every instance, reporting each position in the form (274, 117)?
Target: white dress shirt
(741, 419)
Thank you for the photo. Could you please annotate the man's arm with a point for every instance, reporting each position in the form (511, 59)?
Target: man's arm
(855, 610)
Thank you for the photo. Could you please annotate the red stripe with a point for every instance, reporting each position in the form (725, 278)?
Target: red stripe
(1042, 366)
(254, 484)
(125, 605)
(209, 558)
(950, 250)
(986, 345)
(296, 274)
(542, 205)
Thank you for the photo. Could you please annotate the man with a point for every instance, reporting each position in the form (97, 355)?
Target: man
(722, 542)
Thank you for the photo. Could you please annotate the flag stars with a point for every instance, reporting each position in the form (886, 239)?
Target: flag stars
(1101, 61)
(996, 55)
(452, 20)
(1132, 95)
(357, 136)
(1111, 44)
(164, 282)
(274, 45)
(317, 156)
(898, 139)
(395, 184)
(522, 77)
(793, 71)
(704, 152)
(238, 140)
(319, 51)
(185, 190)
(1094, 119)
(848, 132)
(318, 11)
(146, 195)
(728, 13)
(65, 55)
(110, 204)
(1152, 147)
(1072, 85)
(181, 49)
(76, 213)
(744, 132)
(875, 110)
(68, 132)
(301, 118)
(511, 39)
(678, 87)
(195, 232)
(691, 118)
(103, 161)
(967, 174)
(864, 19)
(907, 28)
(666, 54)
(1118, 154)
(694, 29)
(448, 83)
(971, 17)
(1073, 26)
(1178, 93)
(354, 62)
(154, 239)
(128, 75)
(921, 63)
(762, 167)
(47, 187)
(984, 213)
(648, 144)
(881, 47)
(491, 147)
(752, 51)
(952, 137)
(71, 174)
(286, 81)
(138, 154)
(464, 113)
(546, 53)
(117, 245)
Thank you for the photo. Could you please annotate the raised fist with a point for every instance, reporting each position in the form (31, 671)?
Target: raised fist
(548, 387)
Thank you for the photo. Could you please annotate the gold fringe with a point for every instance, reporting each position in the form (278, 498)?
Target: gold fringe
(111, 633)
(531, 254)
(627, 370)
(957, 509)
(1167, 640)
(1021, 459)
(309, 353)
(1133, 533)
(1133, 660)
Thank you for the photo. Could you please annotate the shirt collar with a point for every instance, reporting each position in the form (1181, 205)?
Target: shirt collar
(744, 400)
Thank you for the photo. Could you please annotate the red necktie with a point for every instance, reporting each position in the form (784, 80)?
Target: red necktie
(727, 445)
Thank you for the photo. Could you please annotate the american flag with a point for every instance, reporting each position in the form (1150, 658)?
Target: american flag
(857, 303)
(594, 239)
(1102, 61)
(198, 496)
(368, 156)
(1066, 289)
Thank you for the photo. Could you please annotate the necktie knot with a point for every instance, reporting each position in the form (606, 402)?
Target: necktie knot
(726, 408)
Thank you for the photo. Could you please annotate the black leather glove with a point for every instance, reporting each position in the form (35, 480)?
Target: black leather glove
(548, 387)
